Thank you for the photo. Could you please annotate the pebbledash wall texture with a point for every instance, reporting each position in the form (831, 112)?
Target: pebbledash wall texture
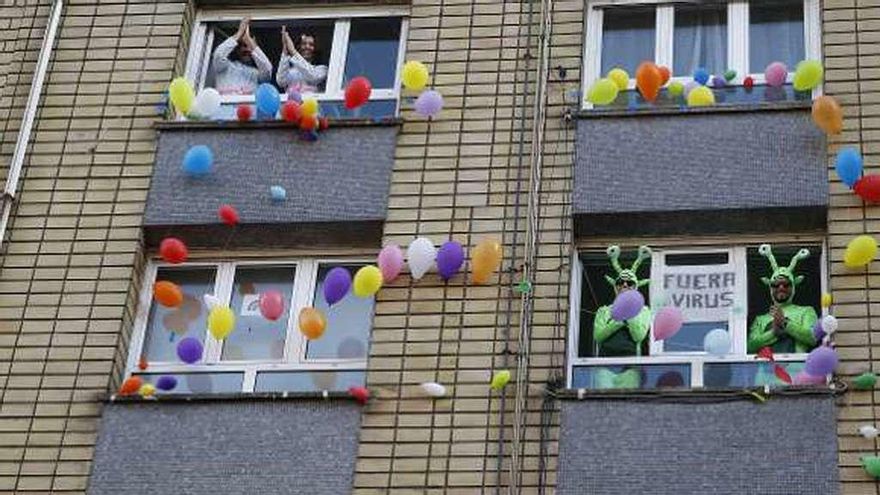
(73, 254)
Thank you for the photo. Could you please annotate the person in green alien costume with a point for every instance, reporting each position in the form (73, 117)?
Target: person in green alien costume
(786, 327)
(623, 338)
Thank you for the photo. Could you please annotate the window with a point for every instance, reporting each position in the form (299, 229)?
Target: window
(259, 355)
(715, 288)
(347, 43)
(740, 35)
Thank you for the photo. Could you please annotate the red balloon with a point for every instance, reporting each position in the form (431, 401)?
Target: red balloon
(357, 92)
(244, 112)
(308, 123)
(271, 305)
(323, 123)
(228, 215)
(665, 74)
(290, 111)
(648, 80)
(173, 250)
(748, 83)
(360, 394)
(868, 188)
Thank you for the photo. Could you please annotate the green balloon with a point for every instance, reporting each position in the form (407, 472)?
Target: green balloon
(865, 381)
(871, 463)
(730, 75)
(676, 88)
(500, 379)
(603, 92)
(808, 75)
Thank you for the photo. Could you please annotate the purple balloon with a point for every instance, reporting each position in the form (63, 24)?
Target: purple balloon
(627, 305)
(821, 361)
(450, 257)
(818, 331)
(429, 103)
(719, 82)
(189, 350)
(166, 382)
(337, 283)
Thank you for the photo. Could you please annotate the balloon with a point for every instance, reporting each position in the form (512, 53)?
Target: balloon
(775, 74)
(308, 122)
(500, 379)
(690, 86)
(290, 111)
(173, 250)
(367, 281)
(648, 80)
(433, 389)
(821, 361)
(189, 350)
(131, 385)
(701, 76)
(826, 300)
(337, 282)
(167, 294)
(849, 166)
(828, 115)
(207, 104)
(244, 112)
(869, 431)
(323, 123)
(627, 305)
(717, 342)
(603, 92)
(865, 381)
(271, 305)
(748, 83)
(211, 301)
(429, 103)
(871, 463)
(228, 215)
(309, 107)
(868, 188)
(267, 99)
(142, 363)
(718, 82)
(312, 323)
(414, 75)
(860, 251)
(198, 161)
(390, 261)
(808, 75)
(221, 322)
(450, 257)
(620, 78)
(701, 96)
(729, 75)
(360, 394)
(420, 255)
(676, 88)
(278, 193)
(166, 382)
(147, 390)
(829, 324)
(804, 378)
(357, 92)
(667, 322)
(818, 332)
(181, 94)
(485, 260)
(665, 74)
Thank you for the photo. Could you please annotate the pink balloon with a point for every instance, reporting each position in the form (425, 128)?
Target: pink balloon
(667, 322)
(775, 74)
(802, 378)
(390, 262)
(271, 305)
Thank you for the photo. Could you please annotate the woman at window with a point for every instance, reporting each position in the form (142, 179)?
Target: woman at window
(239, 63)
(296, 70)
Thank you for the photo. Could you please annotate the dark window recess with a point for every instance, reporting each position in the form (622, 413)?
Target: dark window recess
(808, 293)
(372, 51)
(696, 259)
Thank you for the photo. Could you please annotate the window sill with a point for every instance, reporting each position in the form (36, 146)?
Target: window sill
(269, 124)
(684, 110)
(239, 396)
(700, 394)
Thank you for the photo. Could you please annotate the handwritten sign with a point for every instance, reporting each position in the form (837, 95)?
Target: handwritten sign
(702, 292)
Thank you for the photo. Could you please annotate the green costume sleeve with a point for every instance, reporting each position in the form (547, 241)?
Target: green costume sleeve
(640, 325)
(761, 334)
(603, 325)
(800, 327)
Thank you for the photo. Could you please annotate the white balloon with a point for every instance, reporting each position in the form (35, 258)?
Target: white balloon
(420, 256)
(829, 324)
(717, 342)
(207, 103)
(211, 300)
(868, 431)
(434, 389)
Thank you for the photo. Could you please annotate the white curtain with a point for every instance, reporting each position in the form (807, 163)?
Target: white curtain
(700, 39)
(776, 33)
(627, 38)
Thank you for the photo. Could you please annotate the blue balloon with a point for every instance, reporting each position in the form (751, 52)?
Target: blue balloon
(278, 193)
(198, 161)
(268, 100)
(849, 166)
(701, 75)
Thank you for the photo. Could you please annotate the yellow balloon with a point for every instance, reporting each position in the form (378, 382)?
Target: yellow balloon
(221, 322)
(414, 75)
(676, 88)
(620, 78)
(808, 75)
(147, 390)
(309, 107)
(700, 96)
(826, 300)
(485, 259)
(602, 92)
(367, 281)
(181, 94)
(860, 251)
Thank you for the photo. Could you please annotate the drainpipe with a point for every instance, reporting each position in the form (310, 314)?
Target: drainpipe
(30, 112)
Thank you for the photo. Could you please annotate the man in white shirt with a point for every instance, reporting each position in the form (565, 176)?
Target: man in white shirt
(239, 64)
(296, 71)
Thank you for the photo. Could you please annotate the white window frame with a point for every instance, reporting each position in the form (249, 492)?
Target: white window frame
(696, 361)
(737, 39)
(294, 358)
(202, 40)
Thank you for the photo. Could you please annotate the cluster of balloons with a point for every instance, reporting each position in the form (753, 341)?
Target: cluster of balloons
(204, 106)
(304, 112)
(414, 77)
(422, 255)
(849, 167)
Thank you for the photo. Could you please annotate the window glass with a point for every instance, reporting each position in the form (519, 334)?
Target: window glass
(166, 326)
(372, 51)
(255, 337)
(776, 33)
(627, 38)
(649, 376)
(752, 374)
(348, 324)
(199, 383)
(700, 39)
(308, 381)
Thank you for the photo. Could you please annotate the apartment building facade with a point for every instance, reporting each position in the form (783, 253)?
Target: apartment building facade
(92, 152)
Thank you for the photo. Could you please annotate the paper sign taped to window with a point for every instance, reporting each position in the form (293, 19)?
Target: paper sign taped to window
(702, 292)
(250, 305)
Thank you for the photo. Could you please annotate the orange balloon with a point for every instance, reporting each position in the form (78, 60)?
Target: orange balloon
(648, 80)
(485, 260)
(828, 115)
(312, 323)
(168, 294)
(131, 385)
(665, 74)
